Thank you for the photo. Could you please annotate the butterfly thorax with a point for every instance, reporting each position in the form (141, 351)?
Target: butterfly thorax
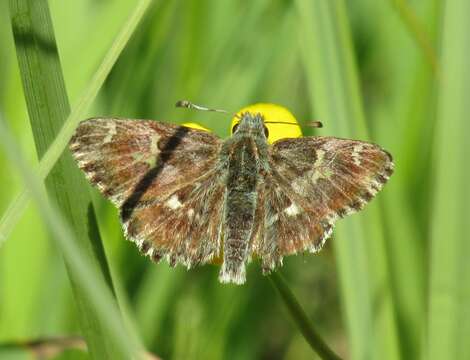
(246, 158)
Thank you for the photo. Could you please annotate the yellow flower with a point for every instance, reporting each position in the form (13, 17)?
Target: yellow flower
(196, 126)
(279, 121)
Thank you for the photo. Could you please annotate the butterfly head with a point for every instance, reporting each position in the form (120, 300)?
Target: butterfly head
(274, 121)
(251, 124)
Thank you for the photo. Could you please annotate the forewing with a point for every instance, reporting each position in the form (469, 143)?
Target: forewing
(158, 175)
(313, 182)
(133, 161)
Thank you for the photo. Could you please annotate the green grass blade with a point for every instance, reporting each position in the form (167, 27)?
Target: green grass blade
(402, 119)
(98, 295)
(360, 245)
(48, 106)
(417, 32)
(449, 296)
(17, 207)
(13, 214)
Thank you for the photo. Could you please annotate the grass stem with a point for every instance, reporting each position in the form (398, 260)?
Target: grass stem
(301, 319)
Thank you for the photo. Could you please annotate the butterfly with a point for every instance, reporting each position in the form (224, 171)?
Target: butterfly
(190, 197)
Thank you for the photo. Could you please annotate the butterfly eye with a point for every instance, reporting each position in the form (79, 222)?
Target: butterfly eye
(235, 127)
(266, 131)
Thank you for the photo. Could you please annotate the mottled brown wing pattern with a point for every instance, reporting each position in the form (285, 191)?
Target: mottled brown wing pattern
(122, 156)
(288, 227)
(185, 227)
(148, 169)
(315, 181)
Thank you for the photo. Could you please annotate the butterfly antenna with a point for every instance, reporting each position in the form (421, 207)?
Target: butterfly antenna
(314, 124)
(189, 105)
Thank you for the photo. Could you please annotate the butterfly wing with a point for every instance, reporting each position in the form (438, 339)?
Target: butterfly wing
(185, 227)
(163, 177)
(313, 182)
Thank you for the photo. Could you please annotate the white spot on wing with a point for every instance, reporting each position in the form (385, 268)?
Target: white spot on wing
(154, 143)
(173, 202)
(292, 210)
(356, 154)
(272, 220)
(297, 186)
(111, 126)
(320, 155)
(317, 175)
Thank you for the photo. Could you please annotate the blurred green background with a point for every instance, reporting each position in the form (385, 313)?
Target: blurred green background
(394, 280)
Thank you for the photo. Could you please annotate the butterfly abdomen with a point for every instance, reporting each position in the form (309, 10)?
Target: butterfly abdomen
(239, 216)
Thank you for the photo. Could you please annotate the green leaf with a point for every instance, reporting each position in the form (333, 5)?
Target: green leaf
(56, 148)
(359, 243)
(48, 107)
(449, 295)
(92, 294)
(419, 34)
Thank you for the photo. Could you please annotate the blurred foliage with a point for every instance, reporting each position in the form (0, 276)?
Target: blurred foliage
(362, 65)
